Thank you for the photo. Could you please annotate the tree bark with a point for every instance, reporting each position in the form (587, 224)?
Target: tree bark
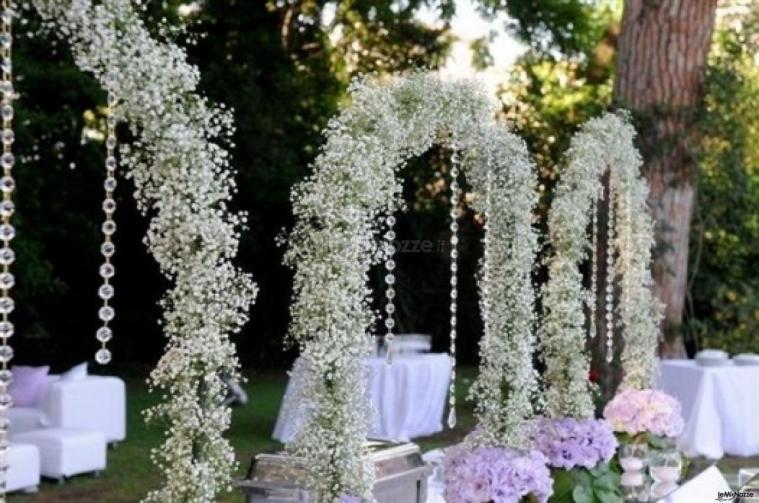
(661, 56)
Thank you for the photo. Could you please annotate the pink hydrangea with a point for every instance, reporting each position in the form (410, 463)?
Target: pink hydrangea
(635, 411)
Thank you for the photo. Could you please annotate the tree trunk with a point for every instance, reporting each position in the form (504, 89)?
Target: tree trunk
(662, 52)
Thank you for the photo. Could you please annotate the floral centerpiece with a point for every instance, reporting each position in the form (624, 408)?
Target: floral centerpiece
(495, 474)
(579, 452)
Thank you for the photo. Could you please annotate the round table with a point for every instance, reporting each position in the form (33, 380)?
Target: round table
(408, 397)
(720, 407)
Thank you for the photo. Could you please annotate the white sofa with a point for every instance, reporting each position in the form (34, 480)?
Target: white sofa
(64, 452)
(23, 468)
(96, 403)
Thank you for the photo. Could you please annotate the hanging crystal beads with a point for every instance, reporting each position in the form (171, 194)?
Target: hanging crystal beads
(454, 210)
(106, 313)
(593, 296)
(389, 288)
(610, 275)
(7, 232)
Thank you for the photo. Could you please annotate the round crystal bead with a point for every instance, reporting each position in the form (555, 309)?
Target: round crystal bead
(7, 160)
(454, 226)
(390, 265)
(6, 401)
(390, 279)
(107, 249)
(110, 163)
(7, 208)
(106, 313)
(390, 221)
(7, 280)
(7, 232)
(109, 227)
(390, 235)
(390, 294)
(104, 334)
(103, 356)
(107, 270)
(110, 184)
(7, 184)
(7, 112)
(389, 309)
(6, 41)
(6, 377)
(110, 142)
(6, 329)
(389, 323)
(105, 292)
(109, 205)
(8, 136)
(7, 305)
(6, 354)
(7, 256)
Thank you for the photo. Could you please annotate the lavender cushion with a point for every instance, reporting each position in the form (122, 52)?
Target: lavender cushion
(28, 383)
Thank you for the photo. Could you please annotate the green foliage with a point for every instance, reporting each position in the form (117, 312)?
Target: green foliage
(723, 297)
(569, 27)
(580, 485)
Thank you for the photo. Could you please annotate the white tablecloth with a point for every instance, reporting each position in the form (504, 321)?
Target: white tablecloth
(720, 407)
(408, 398)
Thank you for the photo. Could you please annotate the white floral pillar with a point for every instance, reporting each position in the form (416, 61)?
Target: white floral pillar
(184, 183)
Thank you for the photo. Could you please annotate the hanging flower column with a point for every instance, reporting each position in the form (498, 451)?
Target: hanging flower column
(184, 183)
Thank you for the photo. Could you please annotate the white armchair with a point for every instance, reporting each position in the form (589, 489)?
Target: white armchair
(96, 403)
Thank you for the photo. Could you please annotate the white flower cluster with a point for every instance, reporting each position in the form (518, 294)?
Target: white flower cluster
(603, 145)
(335, 242)
(184, 183)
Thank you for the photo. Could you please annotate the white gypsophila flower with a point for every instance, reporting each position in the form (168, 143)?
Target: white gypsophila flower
(603, 145)
(183, 182)
(334, 244)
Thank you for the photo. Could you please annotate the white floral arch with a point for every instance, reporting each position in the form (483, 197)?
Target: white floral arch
(333, 246)
(184, 183)
(603, 145)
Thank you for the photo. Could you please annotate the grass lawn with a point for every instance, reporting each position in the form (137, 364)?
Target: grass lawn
(130, 473)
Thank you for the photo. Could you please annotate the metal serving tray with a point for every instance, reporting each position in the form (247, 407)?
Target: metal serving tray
(401, 476)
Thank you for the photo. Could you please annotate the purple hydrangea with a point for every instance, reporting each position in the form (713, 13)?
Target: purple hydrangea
(494, 474)
(569, 442)
(635, 411)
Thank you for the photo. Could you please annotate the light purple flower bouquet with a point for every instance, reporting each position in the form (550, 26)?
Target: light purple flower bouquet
(495, 474)
(636, 411)
(570, 443)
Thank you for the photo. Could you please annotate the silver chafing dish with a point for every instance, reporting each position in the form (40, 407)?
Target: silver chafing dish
(401, 476)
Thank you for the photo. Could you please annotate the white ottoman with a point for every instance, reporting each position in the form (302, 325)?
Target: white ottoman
(66, 451)
(23, 468)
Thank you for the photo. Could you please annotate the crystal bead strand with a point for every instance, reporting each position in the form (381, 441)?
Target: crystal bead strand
(106, 291)
(593, 268)
(455, 197)
(389, 288)
(7, 233)
(610, 244)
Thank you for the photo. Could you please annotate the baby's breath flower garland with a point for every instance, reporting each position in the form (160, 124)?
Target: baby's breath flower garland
(603, 145)
(184, 183)
(334, 244)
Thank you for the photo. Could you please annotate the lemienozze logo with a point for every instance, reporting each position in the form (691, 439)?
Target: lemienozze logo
(733, 495)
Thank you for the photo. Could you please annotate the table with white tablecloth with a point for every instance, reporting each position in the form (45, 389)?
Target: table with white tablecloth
(408, 397)
(720, 407)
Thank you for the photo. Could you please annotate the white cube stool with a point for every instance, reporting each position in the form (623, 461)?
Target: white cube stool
(23, 468)
(66, 451)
